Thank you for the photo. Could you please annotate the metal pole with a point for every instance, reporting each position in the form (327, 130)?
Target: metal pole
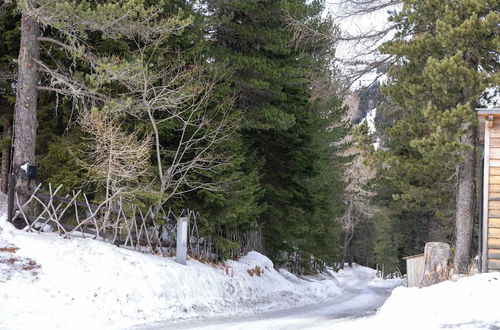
(10, 198)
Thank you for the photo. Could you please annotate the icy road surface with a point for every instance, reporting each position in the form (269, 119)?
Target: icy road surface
(355, 302)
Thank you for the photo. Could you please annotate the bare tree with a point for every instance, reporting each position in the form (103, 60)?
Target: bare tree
(357, 198)
(124, 19)
(115, 158)
(181, 98)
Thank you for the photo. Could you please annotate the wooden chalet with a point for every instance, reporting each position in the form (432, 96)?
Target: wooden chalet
(489, 234)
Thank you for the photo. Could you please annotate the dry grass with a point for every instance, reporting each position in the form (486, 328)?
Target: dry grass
(17, 263)
(257, 271)
(9, 249)
(206, 262)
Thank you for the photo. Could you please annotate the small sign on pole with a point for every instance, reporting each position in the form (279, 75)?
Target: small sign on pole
(182, 238)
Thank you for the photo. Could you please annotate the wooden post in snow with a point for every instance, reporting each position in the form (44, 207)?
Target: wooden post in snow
(436, 255)
(182, 238)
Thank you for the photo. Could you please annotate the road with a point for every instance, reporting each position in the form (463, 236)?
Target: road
(353, 303)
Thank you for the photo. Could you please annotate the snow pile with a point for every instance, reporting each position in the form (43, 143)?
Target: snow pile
(370, 122)
(470, 303)
(86, 284)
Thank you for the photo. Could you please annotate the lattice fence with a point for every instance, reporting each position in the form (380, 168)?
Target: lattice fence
(125, 225)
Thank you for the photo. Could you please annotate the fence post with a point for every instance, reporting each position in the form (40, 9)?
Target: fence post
(182, 238)
(10, 198)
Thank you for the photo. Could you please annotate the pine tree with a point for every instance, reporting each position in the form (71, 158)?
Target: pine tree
(287, 139)
(432, 91)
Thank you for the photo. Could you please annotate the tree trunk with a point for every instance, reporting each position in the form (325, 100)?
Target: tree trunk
(25, 121)
(6, 157)
(436, 255)
(465, 209)
(348, 235)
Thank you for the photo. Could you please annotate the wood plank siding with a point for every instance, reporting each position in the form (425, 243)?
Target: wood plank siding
(489, 133)
(491, 193)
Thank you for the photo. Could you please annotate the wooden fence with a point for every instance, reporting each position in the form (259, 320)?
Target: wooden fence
(153, 230)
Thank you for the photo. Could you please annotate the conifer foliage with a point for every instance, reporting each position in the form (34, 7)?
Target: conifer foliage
(447, 55)
(288, 136)
(225, 107)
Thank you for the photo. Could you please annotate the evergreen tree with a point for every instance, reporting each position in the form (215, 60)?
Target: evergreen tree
(428, 162)
(288, 139)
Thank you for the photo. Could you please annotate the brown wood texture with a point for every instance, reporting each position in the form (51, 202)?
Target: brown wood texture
(494, 222)
(494, 232)
(495, 143)
(494, 153)
(494, 253)
(494, 205)
(494, 264)
(494, 243)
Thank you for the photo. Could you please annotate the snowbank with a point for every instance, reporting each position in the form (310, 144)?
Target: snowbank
(469, 303)
(47, 282)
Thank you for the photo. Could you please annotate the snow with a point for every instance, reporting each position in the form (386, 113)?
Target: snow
(469, 303)
(77, 283)
(370, 122)
(491, 97)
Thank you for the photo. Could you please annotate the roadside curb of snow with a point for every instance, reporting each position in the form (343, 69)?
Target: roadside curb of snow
(85, 284)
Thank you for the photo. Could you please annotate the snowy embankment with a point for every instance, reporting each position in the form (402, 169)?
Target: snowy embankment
(47, 282)
(469, 303)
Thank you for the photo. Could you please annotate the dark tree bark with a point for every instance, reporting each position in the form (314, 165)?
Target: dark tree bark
(348, 235)
(25, 119)
(6, 156)
(465, 209)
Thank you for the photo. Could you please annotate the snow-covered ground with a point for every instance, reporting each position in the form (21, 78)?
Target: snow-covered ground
(469, 303)
(47, 282)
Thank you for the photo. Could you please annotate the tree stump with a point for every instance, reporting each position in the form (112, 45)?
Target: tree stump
(436, 255)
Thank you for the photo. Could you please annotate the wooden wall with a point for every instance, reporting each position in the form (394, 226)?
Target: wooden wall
(492, 196)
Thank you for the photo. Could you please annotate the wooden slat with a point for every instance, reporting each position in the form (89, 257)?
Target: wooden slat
(494, 264)
(494, 222)
(494, 163)
(494, 194)
(494, 171)
(494, 232)
(495, 132)
(495, 143)
(494, 179)
(494, 253)
(493, 243)
(494, 153)
(494, 188)
(494, 205)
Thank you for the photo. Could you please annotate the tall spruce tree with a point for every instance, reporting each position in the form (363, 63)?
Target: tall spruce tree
(429, 159)
(287, 138)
